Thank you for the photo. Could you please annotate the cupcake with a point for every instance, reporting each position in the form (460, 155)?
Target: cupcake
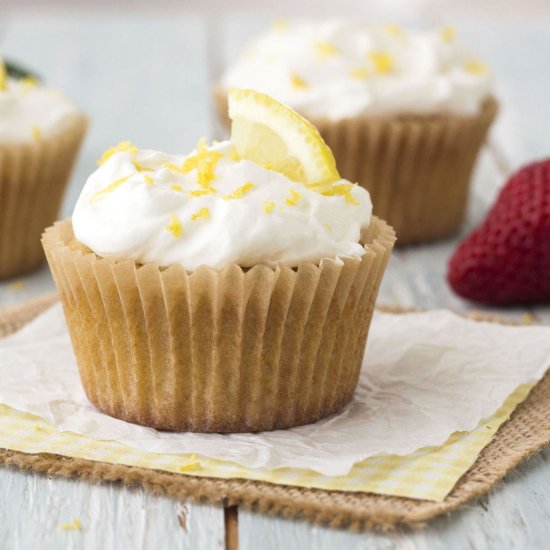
(405, 113)
(228, 290)
(40, 134)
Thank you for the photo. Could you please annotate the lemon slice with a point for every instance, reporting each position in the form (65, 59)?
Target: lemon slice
(273, 135)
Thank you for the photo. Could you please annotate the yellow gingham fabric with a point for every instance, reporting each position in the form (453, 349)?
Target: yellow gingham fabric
(429, 473)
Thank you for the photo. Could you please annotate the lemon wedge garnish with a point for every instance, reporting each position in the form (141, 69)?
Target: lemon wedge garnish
(273, 135)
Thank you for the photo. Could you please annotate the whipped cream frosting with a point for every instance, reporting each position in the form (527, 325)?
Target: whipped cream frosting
(210, 208)
(342, 69)
(29, 112)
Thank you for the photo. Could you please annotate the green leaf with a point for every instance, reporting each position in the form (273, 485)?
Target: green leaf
(17, 71)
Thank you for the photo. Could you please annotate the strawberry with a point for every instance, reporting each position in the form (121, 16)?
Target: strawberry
(506, 259)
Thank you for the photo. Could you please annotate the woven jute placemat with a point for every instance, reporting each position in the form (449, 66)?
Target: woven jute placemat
(525, 433)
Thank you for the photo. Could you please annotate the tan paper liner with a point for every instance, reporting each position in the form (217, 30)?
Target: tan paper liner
(236, 350)
(33, 177)
(417, 168)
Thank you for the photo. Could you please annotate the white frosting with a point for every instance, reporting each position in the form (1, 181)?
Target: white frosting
(338, 77)
(29, 112)
(153, 222)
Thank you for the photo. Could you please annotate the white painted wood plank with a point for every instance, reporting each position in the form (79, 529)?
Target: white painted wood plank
(34, 507)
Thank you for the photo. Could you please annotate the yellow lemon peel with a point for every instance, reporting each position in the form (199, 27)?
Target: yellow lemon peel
(3, 76)
(326, 49)
(127, 146)
(475, 67)
(175, 227)
(269, 206)
(448, 33)
(176, 187)
(201, 213)
(294, 198)
(75, 525)
(36, 133)
(298, 82)
(382, 61)
(360, 73)
(110, 188)
(148, 179)
(394, 30)
(240, 191)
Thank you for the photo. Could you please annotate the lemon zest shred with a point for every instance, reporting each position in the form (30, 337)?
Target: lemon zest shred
(269, 206)
(148, 179)
(360, 73)
(28, 83)
(202, 192)
(294, 198)
(176, 187)
(204, 162)
(233, 155)
(327, 227)
(475, 67)
(394, 30)
(75, 525)
(240, 191)
(127, 146)
(281, 25)
(3, 76)
(448, 33)
(193, 464)
(175, 227)
(201, 213)
(382, 61)
(174, 167)
(37, 133)
(326, 49)
(140, 168)
(110, 188)
(298, 82)
(17, 286)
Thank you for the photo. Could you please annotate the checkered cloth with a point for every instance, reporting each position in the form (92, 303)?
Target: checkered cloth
(429, 473)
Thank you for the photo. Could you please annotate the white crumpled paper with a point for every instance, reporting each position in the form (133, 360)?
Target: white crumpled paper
(425, 376)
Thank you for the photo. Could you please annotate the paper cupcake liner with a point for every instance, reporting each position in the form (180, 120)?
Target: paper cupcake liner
(417, 168)
(235, 350)
(33, 177)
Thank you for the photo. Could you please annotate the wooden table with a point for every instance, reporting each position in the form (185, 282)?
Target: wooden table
(147, 78)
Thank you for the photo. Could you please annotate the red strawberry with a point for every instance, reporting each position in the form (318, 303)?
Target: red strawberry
(507, 258)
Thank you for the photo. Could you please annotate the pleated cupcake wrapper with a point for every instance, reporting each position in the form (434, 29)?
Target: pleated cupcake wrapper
(33, 178)
(417, 168)
(234, 350)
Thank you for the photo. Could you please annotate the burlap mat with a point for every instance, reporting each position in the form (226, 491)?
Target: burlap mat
(524, 434)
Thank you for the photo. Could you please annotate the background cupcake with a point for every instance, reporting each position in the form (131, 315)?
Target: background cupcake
(212, 293)
(40, 134)
(405, 113)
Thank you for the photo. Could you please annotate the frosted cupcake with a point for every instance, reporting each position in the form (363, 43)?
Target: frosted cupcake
(217, 292)
(40, 134)
(405, 113)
